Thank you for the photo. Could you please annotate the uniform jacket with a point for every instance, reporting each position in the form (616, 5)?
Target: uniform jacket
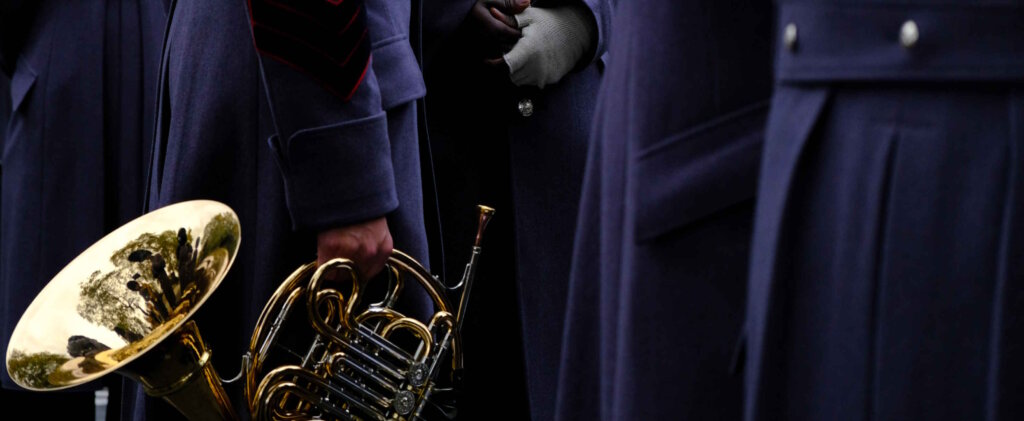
(521, 150)
(657, 288)
(288, 156)
(75, 144)
(885, 279)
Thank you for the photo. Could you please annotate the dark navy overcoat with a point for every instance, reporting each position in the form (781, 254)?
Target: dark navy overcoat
(887, 262)
(528, 165)
(288, 156)
(657, 294)
(75, 143)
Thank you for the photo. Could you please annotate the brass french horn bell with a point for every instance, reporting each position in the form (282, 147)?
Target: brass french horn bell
(319, 349)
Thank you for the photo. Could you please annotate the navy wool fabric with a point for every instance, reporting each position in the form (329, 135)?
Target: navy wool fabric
(657, 294)
(886, 272)
(5, 106)
(290, 157)
(75, 146)
(531, 169)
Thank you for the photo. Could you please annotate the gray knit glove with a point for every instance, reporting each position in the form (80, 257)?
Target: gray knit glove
(554, 40)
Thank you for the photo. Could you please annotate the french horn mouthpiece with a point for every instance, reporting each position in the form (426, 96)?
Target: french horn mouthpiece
(486, 212)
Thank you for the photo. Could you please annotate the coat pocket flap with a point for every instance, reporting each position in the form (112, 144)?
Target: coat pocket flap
(697, 172)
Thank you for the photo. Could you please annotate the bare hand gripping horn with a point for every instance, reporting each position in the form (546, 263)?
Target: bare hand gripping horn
(321, 348)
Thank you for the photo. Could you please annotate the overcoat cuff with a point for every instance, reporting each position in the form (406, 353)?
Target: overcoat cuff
(339, 174)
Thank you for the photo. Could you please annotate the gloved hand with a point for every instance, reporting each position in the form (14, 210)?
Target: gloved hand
(490, 28)
(554, 40)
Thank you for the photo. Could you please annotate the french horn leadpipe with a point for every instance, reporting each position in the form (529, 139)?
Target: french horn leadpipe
(469, 274)
(320, 350)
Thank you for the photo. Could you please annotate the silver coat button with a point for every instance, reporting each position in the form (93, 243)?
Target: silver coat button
(526, 107)
(909, 34)
(789, 37)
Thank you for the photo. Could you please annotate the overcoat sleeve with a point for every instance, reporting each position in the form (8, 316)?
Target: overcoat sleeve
(602, 11)
(331, 136)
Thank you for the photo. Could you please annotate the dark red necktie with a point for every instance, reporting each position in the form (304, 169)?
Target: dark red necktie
(326, 39)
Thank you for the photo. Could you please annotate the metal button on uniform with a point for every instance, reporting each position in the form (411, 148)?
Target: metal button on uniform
(909, 34)
(789, 36)
(526, 107)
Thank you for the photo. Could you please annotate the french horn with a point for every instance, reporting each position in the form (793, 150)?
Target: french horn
(323, 348)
